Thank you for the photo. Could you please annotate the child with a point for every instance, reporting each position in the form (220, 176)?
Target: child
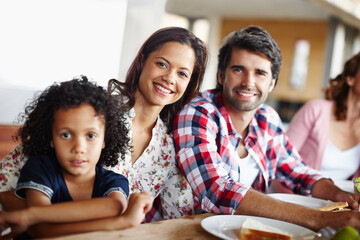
(70, 131)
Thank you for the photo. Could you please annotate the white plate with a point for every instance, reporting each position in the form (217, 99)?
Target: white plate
(345, 185)
(228, 226)
(299, 199)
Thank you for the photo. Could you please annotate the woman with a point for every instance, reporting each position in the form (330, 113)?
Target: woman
(324, 130)
(165, 75)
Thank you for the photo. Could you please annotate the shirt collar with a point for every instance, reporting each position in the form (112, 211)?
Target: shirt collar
(219, 102)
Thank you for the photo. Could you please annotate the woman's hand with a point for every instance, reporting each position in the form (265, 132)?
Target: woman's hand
(139, 204)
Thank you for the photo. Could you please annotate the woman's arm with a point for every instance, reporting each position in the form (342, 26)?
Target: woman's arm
(10, 168)
(301, 125)
(11, 202)
(176, 198)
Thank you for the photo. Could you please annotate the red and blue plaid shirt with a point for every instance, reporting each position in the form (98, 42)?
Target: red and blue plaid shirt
(206, 142)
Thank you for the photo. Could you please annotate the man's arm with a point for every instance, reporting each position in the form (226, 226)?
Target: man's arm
(325, 189)
(258, 204)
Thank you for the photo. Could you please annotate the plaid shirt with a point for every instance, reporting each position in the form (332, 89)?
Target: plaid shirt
(206, 142)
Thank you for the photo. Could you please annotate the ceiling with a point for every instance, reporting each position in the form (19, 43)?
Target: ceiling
(279, 9)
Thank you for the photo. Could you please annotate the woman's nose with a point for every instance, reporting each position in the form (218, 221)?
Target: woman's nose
(170, 77)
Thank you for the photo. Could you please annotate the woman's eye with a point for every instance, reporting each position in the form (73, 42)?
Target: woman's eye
(65, 135)
(183, 74)
(161, 64)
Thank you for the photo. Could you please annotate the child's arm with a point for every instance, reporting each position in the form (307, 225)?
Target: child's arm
(41, 210)
(139, 204)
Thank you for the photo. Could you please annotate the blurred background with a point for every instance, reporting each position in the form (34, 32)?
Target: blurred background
(43, 41)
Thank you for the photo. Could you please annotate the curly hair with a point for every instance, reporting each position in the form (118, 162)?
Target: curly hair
(338, 89)
(254, 39)
(38, 117)
(153, 43)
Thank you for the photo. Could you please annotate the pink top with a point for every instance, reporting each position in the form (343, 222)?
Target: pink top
(309, 131)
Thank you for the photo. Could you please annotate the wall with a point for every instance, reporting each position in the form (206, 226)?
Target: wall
(143, 17)
(46, 41)
(285, 33)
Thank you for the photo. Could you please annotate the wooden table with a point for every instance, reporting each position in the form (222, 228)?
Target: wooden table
(180, 228)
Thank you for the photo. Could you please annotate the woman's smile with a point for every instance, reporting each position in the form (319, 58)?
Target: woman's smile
(162, 89)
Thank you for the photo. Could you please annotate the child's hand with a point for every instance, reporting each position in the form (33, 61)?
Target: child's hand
(139, 204)
(17, 220)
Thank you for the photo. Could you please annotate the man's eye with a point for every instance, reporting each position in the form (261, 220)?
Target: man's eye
(66, 135)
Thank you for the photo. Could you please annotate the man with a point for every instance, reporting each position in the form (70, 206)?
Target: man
(231, 146)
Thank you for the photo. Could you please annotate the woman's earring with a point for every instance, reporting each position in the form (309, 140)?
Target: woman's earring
(350, 81)
(51, 144)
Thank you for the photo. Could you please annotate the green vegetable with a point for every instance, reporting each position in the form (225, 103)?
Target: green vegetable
(346, 233)
(357, 184)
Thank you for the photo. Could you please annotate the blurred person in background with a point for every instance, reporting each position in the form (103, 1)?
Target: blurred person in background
(326, 132)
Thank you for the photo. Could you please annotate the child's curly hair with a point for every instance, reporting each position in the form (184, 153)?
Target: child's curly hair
(36, 133)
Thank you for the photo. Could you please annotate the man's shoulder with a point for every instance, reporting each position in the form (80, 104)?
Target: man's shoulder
(265, 114)
(205, 96)
(266, 111)
(205, 100)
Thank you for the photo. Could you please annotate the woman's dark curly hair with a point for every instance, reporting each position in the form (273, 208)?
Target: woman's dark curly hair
(254, 39)
(338, 89)
(153, 43)
(36, 132)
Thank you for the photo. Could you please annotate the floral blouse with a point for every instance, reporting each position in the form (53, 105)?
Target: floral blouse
(155, 171)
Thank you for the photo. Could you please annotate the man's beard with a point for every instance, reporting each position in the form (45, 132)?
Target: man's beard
(242, 105)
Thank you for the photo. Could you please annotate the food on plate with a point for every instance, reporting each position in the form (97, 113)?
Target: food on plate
(348, 233)
(252, 229)
(335, 206)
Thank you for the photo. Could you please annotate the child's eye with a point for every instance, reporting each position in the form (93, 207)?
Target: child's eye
(91, 136)
(65, 135)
